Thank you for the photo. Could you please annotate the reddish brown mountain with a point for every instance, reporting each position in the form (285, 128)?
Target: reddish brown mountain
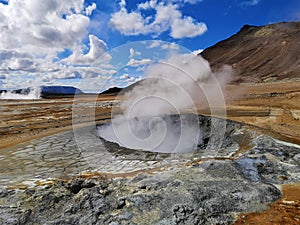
(260, 53)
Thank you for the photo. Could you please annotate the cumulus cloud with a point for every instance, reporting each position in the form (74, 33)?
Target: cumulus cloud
(129, 23)
(13, 60)
(34, 32)
(187, 27)
(42, 28)
(167, 17)
(89, 10)
(98, 48)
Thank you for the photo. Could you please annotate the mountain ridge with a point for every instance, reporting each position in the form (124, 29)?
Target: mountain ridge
(259, 53)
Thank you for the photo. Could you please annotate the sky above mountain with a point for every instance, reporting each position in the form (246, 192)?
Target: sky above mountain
(97, 44)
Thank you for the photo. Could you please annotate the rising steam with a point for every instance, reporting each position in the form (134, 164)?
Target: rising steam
(34, 93)
(175, 86)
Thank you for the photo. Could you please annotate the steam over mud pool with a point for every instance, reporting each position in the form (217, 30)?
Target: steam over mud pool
(185, 133)
(67, 154)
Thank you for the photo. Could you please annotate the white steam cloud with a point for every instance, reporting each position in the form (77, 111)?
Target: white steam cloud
(173, 87)
(34, 93)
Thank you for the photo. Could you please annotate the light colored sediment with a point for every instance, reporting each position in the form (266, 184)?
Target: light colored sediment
(21, 121)
(272, 107)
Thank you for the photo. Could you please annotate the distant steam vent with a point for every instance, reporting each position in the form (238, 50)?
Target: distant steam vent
(40, 92)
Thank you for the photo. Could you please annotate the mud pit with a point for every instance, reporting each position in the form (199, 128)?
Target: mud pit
(104, 183)
(66, 154)
(216, 137)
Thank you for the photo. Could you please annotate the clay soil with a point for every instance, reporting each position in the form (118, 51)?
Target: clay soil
(272, 107)
(284, 211)
(24, 120)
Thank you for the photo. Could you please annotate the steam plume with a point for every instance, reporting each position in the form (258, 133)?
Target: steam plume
(175, 86)
(34, 93)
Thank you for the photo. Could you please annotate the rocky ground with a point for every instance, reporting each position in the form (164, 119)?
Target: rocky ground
(52, 175)
(210, 192)
(39, 177)
(133, 187)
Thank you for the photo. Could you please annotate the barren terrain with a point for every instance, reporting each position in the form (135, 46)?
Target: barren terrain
(274, 107)
(264, 96)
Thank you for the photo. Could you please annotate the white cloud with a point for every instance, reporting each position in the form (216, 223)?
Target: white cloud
(192, 1)
(137, 63)
(122, 3)
(141, 68)
(197, 52)
(42, 28)
(167, 17)
(124, 76)
(126, 79)
(147, 5)
(129, 23)
(170, 46)
(154, 44)
(187, 27)
(72, 72)
(98, 51)
(251, 2)
(34, 32)
(89, 10)
(133, 53)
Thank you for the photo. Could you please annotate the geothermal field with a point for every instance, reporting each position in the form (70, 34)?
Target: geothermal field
(199, 143)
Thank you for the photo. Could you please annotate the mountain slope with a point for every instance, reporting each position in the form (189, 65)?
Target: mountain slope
(260, 53)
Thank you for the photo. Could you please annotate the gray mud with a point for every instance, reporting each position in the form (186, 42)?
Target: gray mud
(187, 190)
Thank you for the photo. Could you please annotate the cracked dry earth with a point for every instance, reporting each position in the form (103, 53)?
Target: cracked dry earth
(49, 181)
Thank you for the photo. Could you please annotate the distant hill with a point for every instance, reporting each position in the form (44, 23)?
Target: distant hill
(47, 91)
(117, 90)
(112, 91)
(260, 53)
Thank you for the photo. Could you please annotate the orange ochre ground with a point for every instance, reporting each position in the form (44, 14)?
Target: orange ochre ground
(285, 211)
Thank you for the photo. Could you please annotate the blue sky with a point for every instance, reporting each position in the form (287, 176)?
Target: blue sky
(81, 42)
